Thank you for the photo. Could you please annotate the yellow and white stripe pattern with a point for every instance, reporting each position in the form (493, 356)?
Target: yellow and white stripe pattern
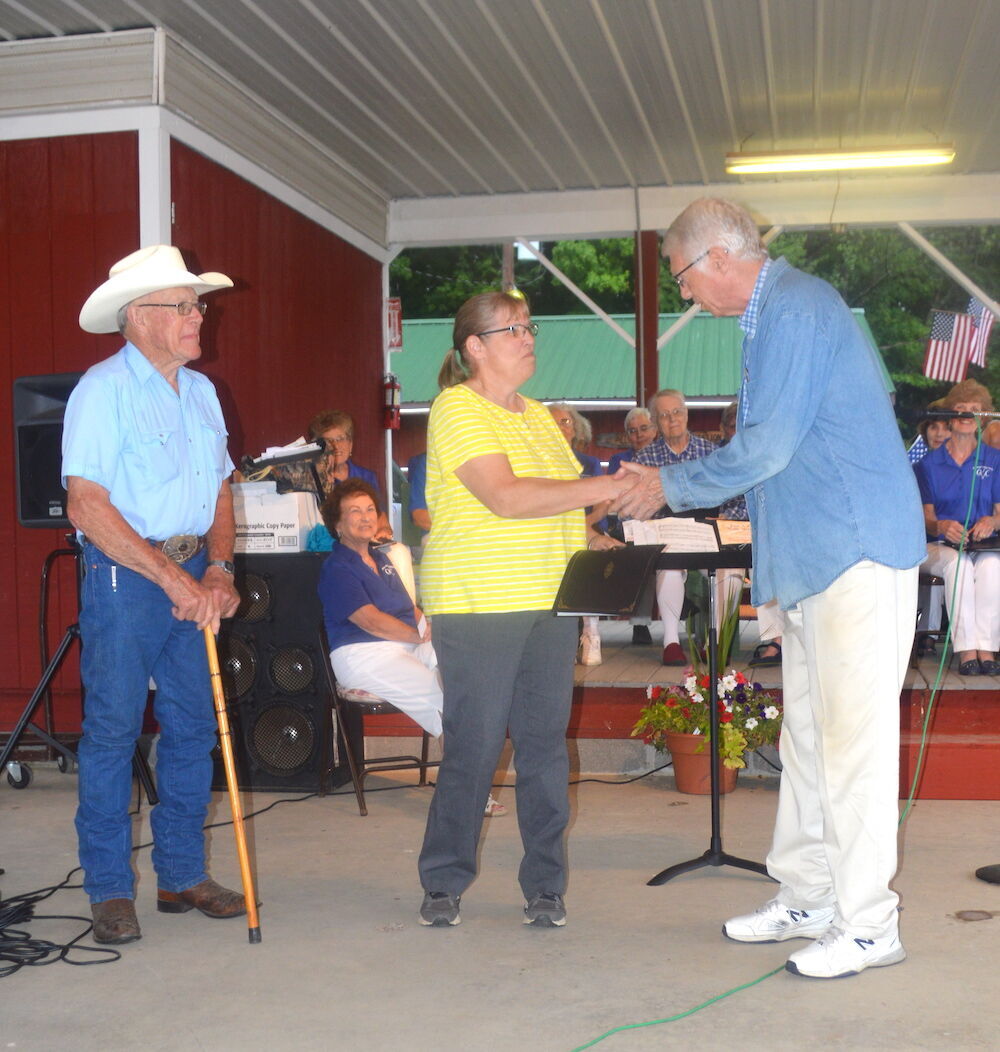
(477, 562)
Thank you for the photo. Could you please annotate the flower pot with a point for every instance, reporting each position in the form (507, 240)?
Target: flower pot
(692, 773)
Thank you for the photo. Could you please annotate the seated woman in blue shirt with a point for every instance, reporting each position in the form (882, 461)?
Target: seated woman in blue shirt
(946, 476)
(379, 640)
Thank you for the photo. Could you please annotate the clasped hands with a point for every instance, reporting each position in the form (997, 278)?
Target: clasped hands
(638, 493)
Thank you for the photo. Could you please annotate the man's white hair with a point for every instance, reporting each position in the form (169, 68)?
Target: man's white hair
(711, 221)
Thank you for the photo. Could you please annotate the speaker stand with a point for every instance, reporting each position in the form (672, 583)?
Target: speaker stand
(19, 774)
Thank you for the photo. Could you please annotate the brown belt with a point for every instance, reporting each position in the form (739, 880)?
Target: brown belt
(180, 547)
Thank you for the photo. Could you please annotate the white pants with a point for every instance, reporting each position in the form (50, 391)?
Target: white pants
(975, 614)
(404, 674)
(670, 597)
(770, 620)
(845, 653)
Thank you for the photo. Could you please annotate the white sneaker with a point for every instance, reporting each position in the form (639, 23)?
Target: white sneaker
(838, 953)
(775, 922)
(590, 650)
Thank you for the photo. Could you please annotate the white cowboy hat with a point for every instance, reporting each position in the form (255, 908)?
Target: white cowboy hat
(148, 270)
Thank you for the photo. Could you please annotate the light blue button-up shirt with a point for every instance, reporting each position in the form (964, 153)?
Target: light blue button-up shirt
(818, 452)
(161, 454)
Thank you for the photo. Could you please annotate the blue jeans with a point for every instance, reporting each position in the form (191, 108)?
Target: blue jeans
(129, 635)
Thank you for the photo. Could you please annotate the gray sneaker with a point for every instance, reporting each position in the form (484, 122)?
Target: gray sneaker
(439, 909)
(545, 911)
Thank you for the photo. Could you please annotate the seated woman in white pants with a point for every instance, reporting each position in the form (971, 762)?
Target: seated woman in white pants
(947, 476)
(379, 640)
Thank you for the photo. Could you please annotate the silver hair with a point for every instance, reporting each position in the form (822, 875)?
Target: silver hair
(582, 431)
(122, 319)
(640, 410)
(651, 407)
(711, 221)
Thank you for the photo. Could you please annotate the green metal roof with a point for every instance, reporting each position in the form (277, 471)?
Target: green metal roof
(580, 358)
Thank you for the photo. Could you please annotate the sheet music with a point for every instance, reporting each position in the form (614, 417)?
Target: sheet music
(674, 534)
(299, 446)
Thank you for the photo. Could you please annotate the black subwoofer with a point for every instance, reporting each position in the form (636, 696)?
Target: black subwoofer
(273, 677)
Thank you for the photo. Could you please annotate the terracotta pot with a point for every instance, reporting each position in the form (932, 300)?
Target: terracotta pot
(692, 773)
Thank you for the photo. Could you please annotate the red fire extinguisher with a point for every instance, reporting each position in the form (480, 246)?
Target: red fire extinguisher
(390, 402)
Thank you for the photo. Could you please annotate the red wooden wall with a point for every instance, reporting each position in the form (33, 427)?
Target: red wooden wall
(300, 332)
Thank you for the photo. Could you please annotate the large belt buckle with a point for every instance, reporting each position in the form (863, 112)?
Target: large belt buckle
(181, 547)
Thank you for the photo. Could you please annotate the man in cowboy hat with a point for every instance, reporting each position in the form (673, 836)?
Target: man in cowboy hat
(146, 469)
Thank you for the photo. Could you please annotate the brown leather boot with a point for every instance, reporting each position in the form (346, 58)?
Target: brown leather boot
(115, 921)
(211, 898)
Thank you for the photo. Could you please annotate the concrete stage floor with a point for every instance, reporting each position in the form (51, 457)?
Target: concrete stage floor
(344, 965)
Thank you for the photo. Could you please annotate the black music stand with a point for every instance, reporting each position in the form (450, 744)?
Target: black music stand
(735, 558)
(65, 755)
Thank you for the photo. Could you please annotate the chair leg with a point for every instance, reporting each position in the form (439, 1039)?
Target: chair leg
(356, 777)
(424, 747)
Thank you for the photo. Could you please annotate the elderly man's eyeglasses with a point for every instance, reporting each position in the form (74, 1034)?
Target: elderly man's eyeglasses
(679, 276)
(641, 429)
(519, 329)
(183, 308)
(671, 414)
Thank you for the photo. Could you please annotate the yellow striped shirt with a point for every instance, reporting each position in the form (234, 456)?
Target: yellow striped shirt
(477, 562)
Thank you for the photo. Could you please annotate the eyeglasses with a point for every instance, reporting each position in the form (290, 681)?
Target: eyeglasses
(519, 328)
(639, 430)
(667, 414)
(679, 276)
(343, 440)
(183, 308)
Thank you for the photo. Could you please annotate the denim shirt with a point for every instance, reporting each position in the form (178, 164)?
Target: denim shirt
(817, 453)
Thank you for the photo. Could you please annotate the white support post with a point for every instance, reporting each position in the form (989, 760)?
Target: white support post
(577, 291)
(155, 218)
(949, 268)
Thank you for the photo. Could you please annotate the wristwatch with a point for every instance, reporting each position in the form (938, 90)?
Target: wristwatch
(224, 565)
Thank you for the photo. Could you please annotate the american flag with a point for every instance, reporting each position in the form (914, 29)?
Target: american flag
(982, 322)
(949, 346)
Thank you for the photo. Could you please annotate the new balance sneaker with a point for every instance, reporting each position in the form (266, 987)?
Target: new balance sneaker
(775, 922)
(440, 909)
(838, 953)
(545, 911)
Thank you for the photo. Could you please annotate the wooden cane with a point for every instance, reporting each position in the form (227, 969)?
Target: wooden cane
(225, 740)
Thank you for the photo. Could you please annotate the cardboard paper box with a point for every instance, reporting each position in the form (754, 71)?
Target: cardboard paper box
(268, 521)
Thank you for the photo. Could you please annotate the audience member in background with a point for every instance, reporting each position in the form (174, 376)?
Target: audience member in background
(931, 433)
(500, 479)
(640, 430)
(379, 639)
(416, 473)
(674, 445)
(577, 431)
(336, 428)
(961, 467)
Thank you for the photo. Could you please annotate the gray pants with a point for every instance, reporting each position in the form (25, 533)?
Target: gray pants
(501, 672)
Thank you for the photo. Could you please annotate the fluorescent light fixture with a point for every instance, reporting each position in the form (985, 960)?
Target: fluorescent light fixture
(838, 160)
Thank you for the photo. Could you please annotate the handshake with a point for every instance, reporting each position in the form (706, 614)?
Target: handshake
(634, 491)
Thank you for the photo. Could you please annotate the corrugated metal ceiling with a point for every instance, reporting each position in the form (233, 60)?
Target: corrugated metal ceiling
(427, 98)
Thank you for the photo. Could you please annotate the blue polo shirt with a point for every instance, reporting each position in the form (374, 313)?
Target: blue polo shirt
(346, 584)
(946, 485)
(161, 454)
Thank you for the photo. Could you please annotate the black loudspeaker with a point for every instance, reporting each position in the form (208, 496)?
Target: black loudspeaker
(273, 678)
(39, 405)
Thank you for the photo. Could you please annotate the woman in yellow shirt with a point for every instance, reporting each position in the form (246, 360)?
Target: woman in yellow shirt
(506, 500)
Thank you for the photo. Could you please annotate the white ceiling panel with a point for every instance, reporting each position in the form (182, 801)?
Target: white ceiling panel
(431, 99)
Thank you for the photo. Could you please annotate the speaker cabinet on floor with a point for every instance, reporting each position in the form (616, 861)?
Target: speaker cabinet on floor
(273, 677)
(39, 403)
